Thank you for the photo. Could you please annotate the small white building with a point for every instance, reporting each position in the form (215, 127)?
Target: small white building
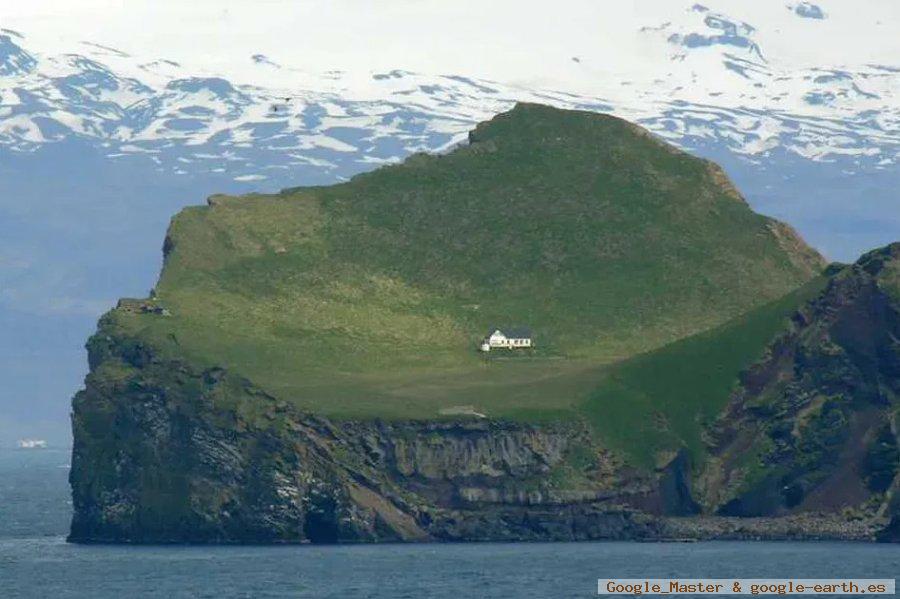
(511, 338)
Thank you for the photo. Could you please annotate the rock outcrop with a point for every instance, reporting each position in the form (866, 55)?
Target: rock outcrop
(164, 453)
(807, 448)
(813, 426)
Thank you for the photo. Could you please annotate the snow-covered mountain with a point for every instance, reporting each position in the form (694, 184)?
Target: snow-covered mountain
(115, 115)
(718, 87)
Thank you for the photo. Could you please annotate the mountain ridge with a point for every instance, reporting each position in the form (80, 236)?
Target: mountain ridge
(137, 107)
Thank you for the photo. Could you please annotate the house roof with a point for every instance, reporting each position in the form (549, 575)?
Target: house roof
(518, 332)
(512, 332)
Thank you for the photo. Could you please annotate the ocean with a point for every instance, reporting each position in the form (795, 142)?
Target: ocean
(35, 560)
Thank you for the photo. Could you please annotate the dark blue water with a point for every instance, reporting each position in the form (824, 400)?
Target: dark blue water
(35, 561)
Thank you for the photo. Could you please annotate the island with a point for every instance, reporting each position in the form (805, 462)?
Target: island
(309, 366)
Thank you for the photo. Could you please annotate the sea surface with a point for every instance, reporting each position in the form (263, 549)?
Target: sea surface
(35, 560)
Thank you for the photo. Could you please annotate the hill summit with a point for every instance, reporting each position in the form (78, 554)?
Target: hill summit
(370, 297)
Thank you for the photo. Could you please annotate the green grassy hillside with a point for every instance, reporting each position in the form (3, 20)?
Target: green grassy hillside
(662, 400)
(368, 298)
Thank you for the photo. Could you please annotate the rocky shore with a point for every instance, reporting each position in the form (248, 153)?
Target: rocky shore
(799, 527)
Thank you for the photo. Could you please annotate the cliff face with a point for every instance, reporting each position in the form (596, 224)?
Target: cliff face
(813, 425)
(164, 453)
(807, 448)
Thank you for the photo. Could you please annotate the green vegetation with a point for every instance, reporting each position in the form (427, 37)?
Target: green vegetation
(662, 399)
(368, 298)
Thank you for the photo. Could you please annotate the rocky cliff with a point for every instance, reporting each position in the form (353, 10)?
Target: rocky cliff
(164, 453)
(807, 448)
(813, 425)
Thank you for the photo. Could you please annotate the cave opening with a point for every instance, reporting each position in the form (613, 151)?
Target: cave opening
(320, 524)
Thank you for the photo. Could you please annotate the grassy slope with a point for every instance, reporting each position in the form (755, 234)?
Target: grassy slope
(656, 401)
(367, 298)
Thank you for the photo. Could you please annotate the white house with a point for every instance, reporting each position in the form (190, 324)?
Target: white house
(513, 338)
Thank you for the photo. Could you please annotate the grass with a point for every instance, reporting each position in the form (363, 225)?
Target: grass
(368, 298)
(662, 399)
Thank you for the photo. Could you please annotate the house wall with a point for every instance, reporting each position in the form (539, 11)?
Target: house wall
(498, 341)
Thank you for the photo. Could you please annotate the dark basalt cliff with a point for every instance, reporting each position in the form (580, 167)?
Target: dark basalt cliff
(807, 448)
(166, 454)
(813, 426)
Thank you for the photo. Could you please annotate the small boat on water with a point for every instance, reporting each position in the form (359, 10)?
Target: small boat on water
(32, 444)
